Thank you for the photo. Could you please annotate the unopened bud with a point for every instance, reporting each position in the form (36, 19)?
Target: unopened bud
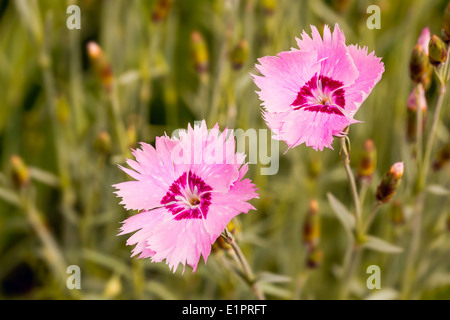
(239, 55)
(161, 10)
(268, 7)
(437, 51)
(416, 101)
(101, 64)
(397, 214)
(390, 183)
(199, 52)
(446, 25)
(311, 226)
(419, 66)
(442, 157)
(20, 172)
(368, 162)
(103, 142)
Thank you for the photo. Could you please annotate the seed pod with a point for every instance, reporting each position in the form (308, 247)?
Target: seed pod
(390, 183)
(368, 162)
(437, 51)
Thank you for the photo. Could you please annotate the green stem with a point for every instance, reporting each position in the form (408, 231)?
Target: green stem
(346, 159)
(371, 217)
(246, 269)
(431, 138)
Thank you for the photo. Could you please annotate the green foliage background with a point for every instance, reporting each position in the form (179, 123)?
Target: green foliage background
(53, 107)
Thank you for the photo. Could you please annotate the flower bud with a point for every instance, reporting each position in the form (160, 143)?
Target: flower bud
(396, 213)
(390, 183)
(442, 157)
(199, 52)
(101, 64)
(419, 66)
(311, 226)
(416, 101)
(20, 172)
(103, 142)
(446, 25)
(161, 10)
(239, 55)
(437, 51)
(367, 164)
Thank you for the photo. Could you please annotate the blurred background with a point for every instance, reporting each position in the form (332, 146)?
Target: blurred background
(71, 110)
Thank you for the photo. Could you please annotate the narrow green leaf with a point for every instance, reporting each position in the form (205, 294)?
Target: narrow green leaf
(10, 197)
(438, 190)
(43, 176)
(346, 218)
(269, 277)
(381, 245)
(275, 291)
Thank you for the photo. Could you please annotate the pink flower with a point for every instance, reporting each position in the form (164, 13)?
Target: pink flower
(187, 190)
(310, 95)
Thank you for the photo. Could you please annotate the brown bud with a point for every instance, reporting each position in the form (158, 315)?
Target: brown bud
(390, 183)
(419, 66)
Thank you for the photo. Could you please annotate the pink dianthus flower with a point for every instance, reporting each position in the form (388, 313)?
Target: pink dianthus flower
(312, 94)
(187, 190)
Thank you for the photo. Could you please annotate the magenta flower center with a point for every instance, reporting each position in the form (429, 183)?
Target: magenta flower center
(188, 197)
(321, 94)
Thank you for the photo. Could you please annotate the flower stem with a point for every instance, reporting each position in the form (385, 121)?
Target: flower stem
(371, 217)
(431, 138)
(346, 159)
(246, 269)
